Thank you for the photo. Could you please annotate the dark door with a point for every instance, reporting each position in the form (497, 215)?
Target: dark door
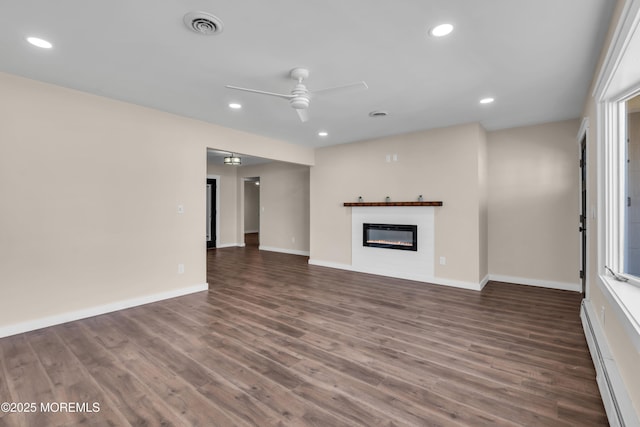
(583, 212)
(211, 213)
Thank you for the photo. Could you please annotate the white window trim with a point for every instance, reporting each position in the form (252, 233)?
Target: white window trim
(613, 86)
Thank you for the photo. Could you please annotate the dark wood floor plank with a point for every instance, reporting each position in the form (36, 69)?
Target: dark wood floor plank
(28, 384)
(233, 330)
(412, 369)
(71, 382)
(397, 408)
(310, 392)
(310, 352)
(132, 398)
(180, 396)
(266, 386)
(5, 394)
(548, 350)
(426, 307)
(277, 342)
(226, 394)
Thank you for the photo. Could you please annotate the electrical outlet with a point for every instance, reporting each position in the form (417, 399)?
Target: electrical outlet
(443, 260)
(388, 158)
(180, 268)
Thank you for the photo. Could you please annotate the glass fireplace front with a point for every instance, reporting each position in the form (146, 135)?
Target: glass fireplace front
(390, 236)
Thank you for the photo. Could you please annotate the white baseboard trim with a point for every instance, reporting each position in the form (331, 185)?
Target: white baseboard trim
(575, 287)
(58, 319)
(430, 280)
(617, 403)
(284, 251)
(230, 245)
(455, 283)
(331, 264)
(251, 231)
(484, 282)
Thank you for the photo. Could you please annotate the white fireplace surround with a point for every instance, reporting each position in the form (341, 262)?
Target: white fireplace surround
(413, 265)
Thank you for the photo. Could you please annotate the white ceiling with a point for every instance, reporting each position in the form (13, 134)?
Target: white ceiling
(535, 57)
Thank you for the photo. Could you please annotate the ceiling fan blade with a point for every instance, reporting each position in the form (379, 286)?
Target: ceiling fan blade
(357, 85)
(303, 114)
(262, 92)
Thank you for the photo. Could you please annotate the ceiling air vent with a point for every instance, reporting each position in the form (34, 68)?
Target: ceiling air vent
(378, 113)
(203, 23)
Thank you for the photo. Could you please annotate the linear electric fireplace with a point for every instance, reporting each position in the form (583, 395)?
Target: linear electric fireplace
(390, 236)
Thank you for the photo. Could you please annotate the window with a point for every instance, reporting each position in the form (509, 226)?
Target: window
(619, 210)
(631, 236)
(616, 90)
(622, 191)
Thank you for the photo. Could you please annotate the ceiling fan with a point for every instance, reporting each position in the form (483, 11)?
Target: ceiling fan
(300, 96)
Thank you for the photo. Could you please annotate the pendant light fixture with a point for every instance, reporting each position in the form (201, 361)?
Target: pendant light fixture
(232, 160)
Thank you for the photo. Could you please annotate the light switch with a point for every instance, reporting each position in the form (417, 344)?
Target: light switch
(180, 209)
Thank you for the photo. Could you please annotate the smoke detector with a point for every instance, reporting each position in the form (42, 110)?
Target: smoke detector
(203, 23)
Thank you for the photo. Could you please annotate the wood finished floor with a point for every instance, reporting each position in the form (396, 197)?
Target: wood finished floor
(276, 342)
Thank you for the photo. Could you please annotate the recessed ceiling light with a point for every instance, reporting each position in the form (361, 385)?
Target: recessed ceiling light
(441, 30)
(235, 106)
(323, 133)
(486, 100)
(39, 42)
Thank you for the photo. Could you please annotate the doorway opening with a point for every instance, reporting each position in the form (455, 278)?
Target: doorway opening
(252, 211)
(212, 217)
(583, 213)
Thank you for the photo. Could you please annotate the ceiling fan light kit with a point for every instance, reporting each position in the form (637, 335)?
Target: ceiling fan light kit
(300, 97)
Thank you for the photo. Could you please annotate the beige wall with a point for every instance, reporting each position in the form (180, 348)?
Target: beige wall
(483, 205)
(440, 164)
(625, 355)
(89, 192)
(227, 210)
(251, 207)
(284, 205)
(534, 202)
(284, 199)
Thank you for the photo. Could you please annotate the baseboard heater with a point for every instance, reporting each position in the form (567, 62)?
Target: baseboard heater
(618, 405)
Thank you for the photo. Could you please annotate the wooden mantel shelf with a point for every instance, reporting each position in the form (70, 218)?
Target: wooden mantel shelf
(392, 203)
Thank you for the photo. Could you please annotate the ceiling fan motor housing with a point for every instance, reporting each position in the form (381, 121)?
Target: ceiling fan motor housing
(300, 101)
